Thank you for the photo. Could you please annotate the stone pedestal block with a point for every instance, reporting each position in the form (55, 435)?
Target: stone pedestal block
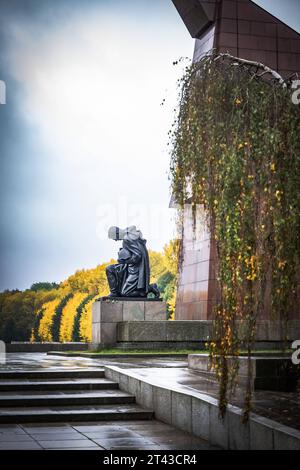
(268, 373)
(107, 313)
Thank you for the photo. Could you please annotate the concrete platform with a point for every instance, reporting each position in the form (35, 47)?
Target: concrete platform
(107, 313)
(195, 334)
(164, 333)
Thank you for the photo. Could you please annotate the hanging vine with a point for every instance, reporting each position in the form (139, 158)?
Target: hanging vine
(236, 151)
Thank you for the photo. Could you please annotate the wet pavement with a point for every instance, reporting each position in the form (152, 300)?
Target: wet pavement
(148, 434)
(142, 435)
(279, 406)
(38, 361)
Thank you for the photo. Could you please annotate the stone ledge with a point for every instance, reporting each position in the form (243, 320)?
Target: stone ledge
(199, 414)
(268, 373)
(268, 333)
(165, 331)
(17, 347)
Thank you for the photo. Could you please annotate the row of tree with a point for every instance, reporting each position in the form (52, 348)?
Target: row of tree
(62, 312)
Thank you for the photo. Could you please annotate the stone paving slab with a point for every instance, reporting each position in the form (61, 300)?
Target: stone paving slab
(57, 436)
(46, 428)
(135, 435)
(12, 437)
(20, 446)
(78, 443)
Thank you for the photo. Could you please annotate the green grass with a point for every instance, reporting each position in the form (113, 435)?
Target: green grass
(159, 352)
(102, 352)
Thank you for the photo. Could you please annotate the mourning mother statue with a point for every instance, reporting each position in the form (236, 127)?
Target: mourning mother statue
(130, 277)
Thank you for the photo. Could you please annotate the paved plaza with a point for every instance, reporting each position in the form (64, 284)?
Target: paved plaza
(56, 402)
(18, 375)
(143, 435)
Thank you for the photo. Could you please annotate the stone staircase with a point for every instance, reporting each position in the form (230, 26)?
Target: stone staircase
(65, 396)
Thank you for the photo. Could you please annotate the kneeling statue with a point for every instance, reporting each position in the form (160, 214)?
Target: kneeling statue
(130, 277)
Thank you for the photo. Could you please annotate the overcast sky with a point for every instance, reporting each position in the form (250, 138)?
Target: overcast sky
(83, 134)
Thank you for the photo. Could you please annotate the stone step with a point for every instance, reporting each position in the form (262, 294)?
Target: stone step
(56, 384)
(105, 397)
(74, 413)
(55, 374)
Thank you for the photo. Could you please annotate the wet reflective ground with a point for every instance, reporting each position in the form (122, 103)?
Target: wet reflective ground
(125, 434)
(38, 361)
(280, 406)
(143, 435)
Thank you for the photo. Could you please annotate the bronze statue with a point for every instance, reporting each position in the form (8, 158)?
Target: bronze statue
(130, 277)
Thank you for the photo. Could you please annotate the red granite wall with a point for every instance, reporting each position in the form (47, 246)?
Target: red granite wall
(197, 290)
(243, 29)
(247, 31)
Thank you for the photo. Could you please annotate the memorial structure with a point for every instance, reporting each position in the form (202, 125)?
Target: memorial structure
(129, 283)
(245, 30)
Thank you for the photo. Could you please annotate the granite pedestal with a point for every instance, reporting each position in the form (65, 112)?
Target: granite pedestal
(107, 313)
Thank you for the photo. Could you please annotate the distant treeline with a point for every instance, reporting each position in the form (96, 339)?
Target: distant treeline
(62, 312)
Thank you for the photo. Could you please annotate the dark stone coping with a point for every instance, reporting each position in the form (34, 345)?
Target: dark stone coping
(19, 347)
(128, 299)
(97, 355)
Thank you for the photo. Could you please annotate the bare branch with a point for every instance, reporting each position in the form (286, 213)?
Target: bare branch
(249, 63)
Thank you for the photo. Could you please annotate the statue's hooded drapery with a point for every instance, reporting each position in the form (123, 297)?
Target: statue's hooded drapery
(130, 277)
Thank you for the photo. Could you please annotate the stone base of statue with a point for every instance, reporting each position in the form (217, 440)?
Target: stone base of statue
(108, 312)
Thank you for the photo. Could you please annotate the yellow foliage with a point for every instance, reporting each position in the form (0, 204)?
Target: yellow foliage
(157, 265)
(172, 305)
(46, 321)
(282, 264)
(32, 338)
(85, 328)
(251, 264)
(171, 254)
(67, 318)
(92, 281)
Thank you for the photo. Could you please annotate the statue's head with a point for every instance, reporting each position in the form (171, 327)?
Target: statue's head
(129, 233)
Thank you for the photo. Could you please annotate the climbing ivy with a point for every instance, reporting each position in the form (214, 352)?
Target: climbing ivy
(235, 149)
